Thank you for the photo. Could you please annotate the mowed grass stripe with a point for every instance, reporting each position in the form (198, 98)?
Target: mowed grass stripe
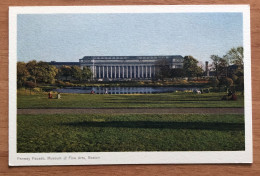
(132, 111)
(130, 132)
(166, 100)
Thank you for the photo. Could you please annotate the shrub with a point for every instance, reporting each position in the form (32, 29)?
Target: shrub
(214, 82)
(30, 85)
(183, 81)
(240, 83)
(37, 89)
(68, 84)
(228, 82)
(234, 78)
(60, 83)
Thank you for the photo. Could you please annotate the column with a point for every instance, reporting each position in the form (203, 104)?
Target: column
(138, 71)
(131, 71)
(95, 73)
(111, 73)
(103, 73)
(150, 71)
(146, 71)
(107, 71)
(96, 70)
(93, 69)
(154, 71)
(123, 71)
(108, 67)
(134, 71)
(142, 71)
(99, 72)
(119, 73)
(115, 72)
(127, 71)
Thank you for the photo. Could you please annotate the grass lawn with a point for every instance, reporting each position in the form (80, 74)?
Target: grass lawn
(167, 100)
(132, 132)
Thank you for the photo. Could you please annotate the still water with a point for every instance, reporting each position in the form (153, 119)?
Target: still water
(123, 90)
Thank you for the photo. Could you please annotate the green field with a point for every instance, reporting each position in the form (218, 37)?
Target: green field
(164, 100)
(133, 132)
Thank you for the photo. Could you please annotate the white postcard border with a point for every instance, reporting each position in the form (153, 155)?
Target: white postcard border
(101, 158)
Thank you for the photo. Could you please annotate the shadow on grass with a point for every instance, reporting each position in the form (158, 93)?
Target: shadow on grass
(161, 125)
(161, 99)
(155, 102)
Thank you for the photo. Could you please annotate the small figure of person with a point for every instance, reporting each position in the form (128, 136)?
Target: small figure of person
(230, 93)
(234, 96)
(58, 96)
(49, 95)
(106, 92)
(92, 92)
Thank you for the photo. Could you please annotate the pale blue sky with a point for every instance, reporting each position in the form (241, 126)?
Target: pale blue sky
(69, 37)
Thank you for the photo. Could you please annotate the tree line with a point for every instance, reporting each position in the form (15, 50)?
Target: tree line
(190, 69)
(32, 73)
(229, 69)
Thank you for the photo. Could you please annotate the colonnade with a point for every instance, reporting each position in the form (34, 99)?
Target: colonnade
(122, 72)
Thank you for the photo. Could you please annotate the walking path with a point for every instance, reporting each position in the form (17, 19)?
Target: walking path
(134, 111)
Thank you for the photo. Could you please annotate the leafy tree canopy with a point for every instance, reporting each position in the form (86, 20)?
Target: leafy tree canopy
(22, 73)
(162, 69)
(190, 65)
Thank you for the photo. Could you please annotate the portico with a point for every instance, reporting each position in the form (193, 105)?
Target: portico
(123, 71)
(126, 67)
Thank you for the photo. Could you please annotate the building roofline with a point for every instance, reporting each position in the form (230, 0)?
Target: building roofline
(63, 63)
(134, 57)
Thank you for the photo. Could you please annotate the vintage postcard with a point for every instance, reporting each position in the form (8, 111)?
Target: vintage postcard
(93, 85)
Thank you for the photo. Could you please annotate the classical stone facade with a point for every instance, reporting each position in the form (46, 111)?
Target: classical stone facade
(127, 67)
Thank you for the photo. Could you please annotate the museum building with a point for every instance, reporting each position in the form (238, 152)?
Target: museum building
(127, 67)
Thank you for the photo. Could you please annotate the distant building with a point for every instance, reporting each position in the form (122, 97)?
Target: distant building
(127, 67)
(229, 71)
(207, 68)
(60, 64)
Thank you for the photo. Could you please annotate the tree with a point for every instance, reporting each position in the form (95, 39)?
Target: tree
(234, 59)
(86, 73)
(22, 74)
(215, 61)
(53, 71)
(214, 82)
(33, 70)
(41, 72)
(46, 73)
(223, 67)
(228, 82)
(190, 65)
(76, 73)
(30, 85)
(65, 71)
(177, 73)
(234, 78)
(162, 69)
(199, 72)
(230, 68)
(236, 56)
(220, 66)
(240, 83)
